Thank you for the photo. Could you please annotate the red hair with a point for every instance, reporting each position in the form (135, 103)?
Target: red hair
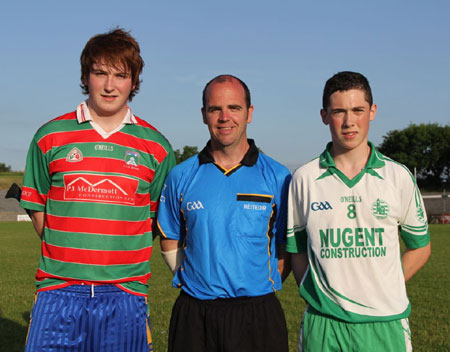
(116, 48)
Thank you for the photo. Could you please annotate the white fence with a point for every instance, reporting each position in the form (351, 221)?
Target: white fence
(438, 208)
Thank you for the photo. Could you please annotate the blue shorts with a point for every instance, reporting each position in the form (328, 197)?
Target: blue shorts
(89, 319)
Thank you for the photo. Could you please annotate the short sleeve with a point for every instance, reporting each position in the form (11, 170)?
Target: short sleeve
(158, 181)
(282, 191)
(414, 226)
(36, 180)
(169, 223)
(296, 224)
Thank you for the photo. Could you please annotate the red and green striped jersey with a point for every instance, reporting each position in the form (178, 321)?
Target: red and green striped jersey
(99, 196)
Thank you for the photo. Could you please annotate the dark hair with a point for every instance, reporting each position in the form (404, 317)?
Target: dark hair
(116, 48)
(343, 81)
(227, 78)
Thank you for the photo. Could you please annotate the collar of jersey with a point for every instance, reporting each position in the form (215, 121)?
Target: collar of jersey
(250, 158)
(375, 162)
(84, 115)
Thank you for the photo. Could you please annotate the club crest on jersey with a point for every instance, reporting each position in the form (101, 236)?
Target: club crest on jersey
(420, 213)
(315, 206)
(380, 209)
(132, 158)
(74, 155)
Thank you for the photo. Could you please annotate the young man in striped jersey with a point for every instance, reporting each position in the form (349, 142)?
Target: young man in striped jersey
(344, 211)
(92, 182)
(223, 212)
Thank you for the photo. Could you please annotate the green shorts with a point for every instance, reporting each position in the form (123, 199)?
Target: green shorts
(321, 333)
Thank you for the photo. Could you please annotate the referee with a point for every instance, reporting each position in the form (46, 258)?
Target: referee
(222, 221)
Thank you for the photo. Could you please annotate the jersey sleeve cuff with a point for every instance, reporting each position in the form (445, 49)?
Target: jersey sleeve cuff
(415, 241)
(156, 229)
(32, 206)
(298, 242)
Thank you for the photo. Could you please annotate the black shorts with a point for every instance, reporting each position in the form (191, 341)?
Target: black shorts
(253, 324)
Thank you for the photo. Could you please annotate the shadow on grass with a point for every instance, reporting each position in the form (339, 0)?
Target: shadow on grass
(12, 334)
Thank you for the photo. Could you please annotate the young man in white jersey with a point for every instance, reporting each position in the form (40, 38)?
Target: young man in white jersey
(345, 209)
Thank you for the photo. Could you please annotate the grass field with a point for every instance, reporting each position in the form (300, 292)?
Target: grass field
(7, 178)
(428, 292)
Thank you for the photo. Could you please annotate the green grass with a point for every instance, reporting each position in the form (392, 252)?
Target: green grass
(7, 178)
(18, 261)
(428, 292)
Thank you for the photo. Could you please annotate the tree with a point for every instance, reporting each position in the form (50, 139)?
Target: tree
(4, 167)
(188, 151)
(425, 147)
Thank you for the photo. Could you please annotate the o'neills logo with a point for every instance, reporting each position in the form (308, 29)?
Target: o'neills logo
(100, 188)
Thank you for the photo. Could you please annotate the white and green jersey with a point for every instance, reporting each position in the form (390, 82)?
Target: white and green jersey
(350, 230)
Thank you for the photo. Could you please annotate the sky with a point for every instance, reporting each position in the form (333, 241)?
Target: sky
(285, 51)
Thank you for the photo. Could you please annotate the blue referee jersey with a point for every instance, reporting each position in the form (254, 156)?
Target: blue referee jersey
(230, 222)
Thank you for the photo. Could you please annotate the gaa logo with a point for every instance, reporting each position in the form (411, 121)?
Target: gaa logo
(321, 206)
(194, 206)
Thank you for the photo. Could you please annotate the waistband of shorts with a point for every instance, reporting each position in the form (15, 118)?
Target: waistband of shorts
(87, 289)
(230, 300)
